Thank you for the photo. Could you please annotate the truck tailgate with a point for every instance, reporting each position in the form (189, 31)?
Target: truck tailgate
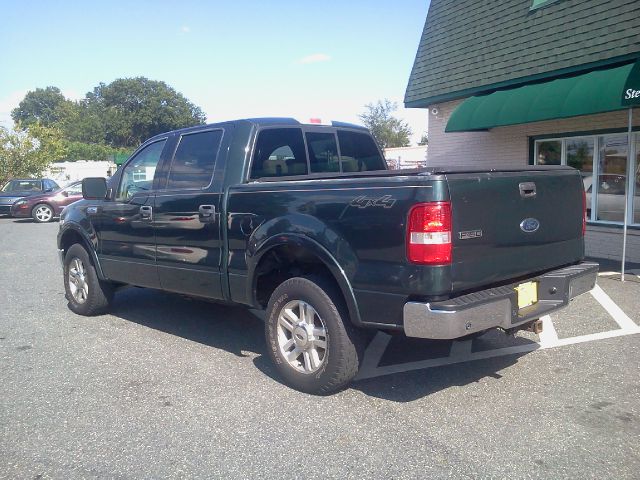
(509, 224)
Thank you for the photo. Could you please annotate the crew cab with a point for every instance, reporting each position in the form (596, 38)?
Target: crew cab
(307, 223)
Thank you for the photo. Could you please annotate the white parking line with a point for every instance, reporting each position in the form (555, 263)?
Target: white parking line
(461, 350)
(614, 310)
(373, 354)
(548, 336)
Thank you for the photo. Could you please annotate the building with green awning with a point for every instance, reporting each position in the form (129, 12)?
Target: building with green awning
(519, 82)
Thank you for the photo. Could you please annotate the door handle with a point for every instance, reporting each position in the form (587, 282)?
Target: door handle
(146, 212)
(527, 189)
(207, 213)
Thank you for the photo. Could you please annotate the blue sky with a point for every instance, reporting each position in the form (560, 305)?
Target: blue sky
(237, 59)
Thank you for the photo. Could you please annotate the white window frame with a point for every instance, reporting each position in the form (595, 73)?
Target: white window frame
(631, 165)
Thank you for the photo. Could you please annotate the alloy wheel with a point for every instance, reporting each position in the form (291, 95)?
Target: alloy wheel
(43, 213)
(78, 283)
(302, 337)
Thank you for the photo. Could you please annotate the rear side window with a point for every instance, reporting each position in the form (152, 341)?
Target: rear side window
(323, 152)
(359, 152)
(279, 152)
(194, 161)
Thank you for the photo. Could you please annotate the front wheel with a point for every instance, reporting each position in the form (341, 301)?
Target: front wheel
(42, 213)
(86, 293)
(309, 338)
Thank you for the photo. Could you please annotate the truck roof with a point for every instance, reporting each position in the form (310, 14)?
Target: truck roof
(262, 122)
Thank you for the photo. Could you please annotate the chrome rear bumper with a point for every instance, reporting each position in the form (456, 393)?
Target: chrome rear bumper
(497, 307)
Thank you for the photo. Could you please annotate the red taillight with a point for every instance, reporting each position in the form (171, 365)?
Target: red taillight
(429, 233)
(584, 213)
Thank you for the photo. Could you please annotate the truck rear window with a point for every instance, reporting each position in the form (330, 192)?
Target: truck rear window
(359, 152)
(279, 152)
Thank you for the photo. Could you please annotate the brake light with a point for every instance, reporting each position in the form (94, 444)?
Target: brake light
(584, 213)
(429, 233)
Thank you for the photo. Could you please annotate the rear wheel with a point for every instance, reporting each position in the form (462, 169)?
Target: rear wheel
(309, 337)
(86, 293)
(42, 213)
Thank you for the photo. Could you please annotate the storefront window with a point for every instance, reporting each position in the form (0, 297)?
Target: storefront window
(605, 188)
(580, 154)
(612, 168)
(636, 170)
(549, 152)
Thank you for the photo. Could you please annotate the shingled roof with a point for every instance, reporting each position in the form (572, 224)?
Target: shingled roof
(473, 46)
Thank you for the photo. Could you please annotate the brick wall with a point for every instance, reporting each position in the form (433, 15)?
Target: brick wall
(505, 146)
(604, 242)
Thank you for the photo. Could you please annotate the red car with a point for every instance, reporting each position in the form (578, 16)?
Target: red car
(43, 208)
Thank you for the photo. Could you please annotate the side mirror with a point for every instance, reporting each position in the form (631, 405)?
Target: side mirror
(94, 188)
(64, 193)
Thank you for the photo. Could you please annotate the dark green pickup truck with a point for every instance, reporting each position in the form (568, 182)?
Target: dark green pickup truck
(307, 223)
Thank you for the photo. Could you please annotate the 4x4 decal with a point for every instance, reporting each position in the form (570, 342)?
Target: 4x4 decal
(386, 201)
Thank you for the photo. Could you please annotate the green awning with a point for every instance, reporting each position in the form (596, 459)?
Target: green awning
(594, 92)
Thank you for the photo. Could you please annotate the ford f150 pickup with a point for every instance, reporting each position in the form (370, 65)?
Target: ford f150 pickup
(307, 223)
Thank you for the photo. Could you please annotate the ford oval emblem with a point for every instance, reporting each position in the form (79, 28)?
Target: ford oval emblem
(529, 225)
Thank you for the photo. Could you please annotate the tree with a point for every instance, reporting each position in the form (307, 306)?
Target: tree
(424, 140)
(387, 130)
(134, 109)
(45, 106)
(27, 153)
(90, 151)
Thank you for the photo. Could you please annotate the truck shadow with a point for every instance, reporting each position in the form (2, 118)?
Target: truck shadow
(236, 330)
(409, 386)
(230, 328)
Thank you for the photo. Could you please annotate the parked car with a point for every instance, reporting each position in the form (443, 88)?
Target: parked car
(307, 223)
(19, 188)
(45, 207)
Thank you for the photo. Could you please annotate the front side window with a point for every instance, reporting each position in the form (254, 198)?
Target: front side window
(194, 161)
(279, 152)
(359, 152)
(323, 152)
(139, 172)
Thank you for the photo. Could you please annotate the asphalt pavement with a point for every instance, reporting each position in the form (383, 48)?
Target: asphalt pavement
(168, 387)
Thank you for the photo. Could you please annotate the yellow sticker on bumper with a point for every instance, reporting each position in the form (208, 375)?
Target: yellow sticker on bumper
(527, 294)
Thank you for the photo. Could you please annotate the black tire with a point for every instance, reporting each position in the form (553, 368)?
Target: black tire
(42, 213)
(344, 343)
(97, 294)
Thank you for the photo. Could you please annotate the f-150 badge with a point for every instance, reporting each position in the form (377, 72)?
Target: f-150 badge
(467, 234)
(386, 201)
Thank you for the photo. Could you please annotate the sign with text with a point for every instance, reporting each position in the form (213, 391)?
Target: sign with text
(631, 91)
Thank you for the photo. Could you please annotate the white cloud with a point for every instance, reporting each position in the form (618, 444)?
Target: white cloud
(7, 104)
(315, 58)
(185, 29)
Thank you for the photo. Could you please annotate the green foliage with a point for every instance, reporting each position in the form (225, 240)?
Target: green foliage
(424, 140)
(111, 119)
(45, 106)
(388, 131)
(134, 109)
(90, 151)
(27, 153)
